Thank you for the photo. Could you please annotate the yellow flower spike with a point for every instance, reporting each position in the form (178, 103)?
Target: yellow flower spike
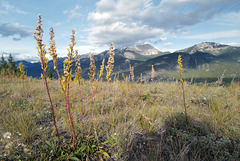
(182, 82)
(101, 68)
(21, 70)
(121, 86)
(92, 68)
(180, 67)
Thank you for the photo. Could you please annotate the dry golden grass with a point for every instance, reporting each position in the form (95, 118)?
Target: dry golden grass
(129, 125)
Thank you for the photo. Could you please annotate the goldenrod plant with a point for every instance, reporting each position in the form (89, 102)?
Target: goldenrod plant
(65, 82)
(44, 64)
(78, 72)
(22, 74)
(182, 82)
(109, 69)
(66, 79)
(62, 80)
(100, 74)
(152, 75)
(92, 73)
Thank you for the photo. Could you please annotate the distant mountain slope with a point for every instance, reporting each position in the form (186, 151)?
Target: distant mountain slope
(141, 52)
(224, 52)
(169, 61)
(208, 47)
(145, 49)
(121, 63)
(141, 59)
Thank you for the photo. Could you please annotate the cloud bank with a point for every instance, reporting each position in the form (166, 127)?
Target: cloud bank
(74, 13)
(127, 22)
(7, 30)
(5, 8)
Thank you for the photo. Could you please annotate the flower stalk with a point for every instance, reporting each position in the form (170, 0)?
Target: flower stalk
(182, 82)
(109, 69)
(66, 79)
(22, 76)
(78, 72)
(44, 63)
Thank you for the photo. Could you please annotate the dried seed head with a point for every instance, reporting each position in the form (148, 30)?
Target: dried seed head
(68, 63)
(92, 68)
(110, 62)
(131, 72)
(41, 47)
(73, 38)
(52, 48)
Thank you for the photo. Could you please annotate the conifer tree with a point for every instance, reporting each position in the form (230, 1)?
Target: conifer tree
(3, 66)
(49, 73)
(12, 65)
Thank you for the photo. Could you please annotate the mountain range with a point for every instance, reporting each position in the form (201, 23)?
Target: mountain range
(142, 57)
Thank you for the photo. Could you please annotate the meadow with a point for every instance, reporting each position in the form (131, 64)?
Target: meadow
(151, 126)
(104, 118)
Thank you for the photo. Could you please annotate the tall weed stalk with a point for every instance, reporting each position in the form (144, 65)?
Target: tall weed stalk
(44, 63)
(182, 82)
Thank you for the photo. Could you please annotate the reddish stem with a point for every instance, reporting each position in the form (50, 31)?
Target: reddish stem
(106, 92)
(80, 92)
(66, 96)
(45, 79)
(92, 110)
(70, 114)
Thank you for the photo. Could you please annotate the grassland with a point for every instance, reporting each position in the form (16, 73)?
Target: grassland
(112, 119)
(140, 121)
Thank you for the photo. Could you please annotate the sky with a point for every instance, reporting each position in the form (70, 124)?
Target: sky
(168, 25)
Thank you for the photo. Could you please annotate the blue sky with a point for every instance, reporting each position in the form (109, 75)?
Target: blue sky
(168, 25)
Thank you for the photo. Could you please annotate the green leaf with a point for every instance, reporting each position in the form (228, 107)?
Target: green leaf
(105, 153)
(48, 144)
(100, 157)
(73, 158)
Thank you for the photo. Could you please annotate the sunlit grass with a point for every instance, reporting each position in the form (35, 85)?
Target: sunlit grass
(124, 121)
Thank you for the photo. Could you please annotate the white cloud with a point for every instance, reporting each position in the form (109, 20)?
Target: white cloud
(83, 49)
(228, 19)
(123, 34)
(232, 44)
(73, 13)
(216, 35)
(7, 29)
(5, 8)
(172, 14)
(127, 22)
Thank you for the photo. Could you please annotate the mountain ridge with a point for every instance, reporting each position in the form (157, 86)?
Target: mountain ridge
(193, 57)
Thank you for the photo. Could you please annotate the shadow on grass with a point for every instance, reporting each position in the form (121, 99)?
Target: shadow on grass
(181, 141)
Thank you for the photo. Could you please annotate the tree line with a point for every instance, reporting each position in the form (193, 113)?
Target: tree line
(8, 67)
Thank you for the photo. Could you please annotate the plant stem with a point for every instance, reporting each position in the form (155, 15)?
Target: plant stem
(80, 92)
(53, 116)
(70, 114)
(92, 109)
(106, 92)
(184, 102)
